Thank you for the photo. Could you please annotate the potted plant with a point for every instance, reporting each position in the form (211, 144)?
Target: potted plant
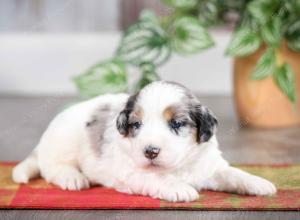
(265, 44)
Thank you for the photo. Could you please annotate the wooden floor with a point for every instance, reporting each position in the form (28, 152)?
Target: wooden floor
(23, 120)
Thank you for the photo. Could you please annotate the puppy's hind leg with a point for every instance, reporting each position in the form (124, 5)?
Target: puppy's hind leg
(230, 179)
(68, 177)
(27, 169)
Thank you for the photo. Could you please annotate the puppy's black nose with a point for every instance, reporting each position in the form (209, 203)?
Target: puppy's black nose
(151, 152)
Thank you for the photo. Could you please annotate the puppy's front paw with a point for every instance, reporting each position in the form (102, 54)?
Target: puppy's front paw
(178, 192)
(258, 186)
(71, 180)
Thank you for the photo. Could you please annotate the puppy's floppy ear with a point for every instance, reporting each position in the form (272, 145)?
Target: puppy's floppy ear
(205, 121)
(122, 120)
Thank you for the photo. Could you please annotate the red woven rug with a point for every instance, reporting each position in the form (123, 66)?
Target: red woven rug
(40, 195)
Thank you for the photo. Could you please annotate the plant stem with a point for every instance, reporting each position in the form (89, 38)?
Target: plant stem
(279, 57)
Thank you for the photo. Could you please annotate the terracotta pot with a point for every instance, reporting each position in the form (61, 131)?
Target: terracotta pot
(261, 103)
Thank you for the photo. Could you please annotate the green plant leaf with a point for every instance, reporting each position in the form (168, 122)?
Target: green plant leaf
(265, 66)
(149, 16)
(285, 79)
(244, 42)
(148, 75)
(292, 6)
(189, 36)
(208, 12)
(232, 5)
(293, 35)
(271, 33)
(247, 21)
(144, 42)
(109, 76)
(261, 10)
(184, 4)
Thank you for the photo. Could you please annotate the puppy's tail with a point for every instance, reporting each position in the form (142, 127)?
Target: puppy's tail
(27, 169)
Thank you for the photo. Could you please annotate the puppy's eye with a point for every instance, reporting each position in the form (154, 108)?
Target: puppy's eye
(176, 124)
(136, 125)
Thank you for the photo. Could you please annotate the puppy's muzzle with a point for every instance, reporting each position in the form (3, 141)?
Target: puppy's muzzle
(151, 152)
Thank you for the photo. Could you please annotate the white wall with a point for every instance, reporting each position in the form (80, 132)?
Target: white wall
(59, 15)
(33, 64)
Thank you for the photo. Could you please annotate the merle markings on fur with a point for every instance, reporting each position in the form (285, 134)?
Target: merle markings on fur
(160, 142)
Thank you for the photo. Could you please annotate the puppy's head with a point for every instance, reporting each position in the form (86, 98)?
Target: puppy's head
(164, 124)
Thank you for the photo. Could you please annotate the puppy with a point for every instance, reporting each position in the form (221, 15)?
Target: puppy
(159, 142)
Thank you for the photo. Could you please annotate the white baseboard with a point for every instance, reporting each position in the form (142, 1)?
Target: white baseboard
(34, 64)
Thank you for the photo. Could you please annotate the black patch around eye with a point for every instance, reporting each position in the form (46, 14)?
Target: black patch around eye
(122, 120)
(135, 125)
(176, 125)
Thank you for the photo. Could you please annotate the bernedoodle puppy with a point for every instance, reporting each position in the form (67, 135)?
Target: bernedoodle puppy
(159, 142)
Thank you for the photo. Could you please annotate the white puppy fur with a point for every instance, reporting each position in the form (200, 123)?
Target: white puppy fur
(160, 142)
